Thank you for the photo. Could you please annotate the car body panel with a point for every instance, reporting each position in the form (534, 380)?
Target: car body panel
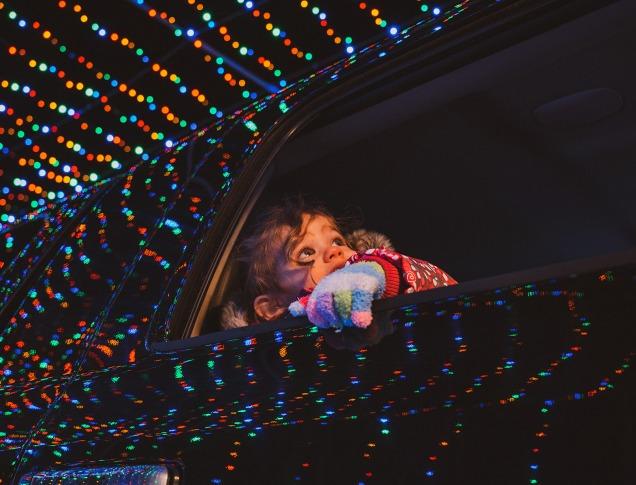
(481, 379)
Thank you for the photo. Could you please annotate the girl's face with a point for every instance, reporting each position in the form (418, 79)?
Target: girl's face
(320, 250)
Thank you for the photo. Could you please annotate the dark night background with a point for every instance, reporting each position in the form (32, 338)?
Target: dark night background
(89, 88)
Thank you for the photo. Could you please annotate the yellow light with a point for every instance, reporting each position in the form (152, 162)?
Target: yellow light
(140, 98)
(375, 12)
(269, 26)
(84, 19)
(304, 4)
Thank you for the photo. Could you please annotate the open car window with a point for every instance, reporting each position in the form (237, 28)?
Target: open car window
(483, 171)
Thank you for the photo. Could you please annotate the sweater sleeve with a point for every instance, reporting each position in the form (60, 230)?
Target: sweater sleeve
(403, 273)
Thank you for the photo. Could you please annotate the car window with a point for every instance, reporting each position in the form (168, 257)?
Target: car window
(471, 176)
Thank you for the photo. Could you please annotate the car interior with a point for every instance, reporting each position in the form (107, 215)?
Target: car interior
(520, 159)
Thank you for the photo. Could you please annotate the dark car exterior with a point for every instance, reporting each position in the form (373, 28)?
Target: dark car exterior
(517, 379)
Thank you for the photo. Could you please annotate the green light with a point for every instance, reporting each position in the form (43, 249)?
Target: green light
(62, 109)
(123, 119)
(92, 177)
(54, 343)
(107, 76)
(219, 60)
(424, 8)
(34, 204)
(89, 91)
(20, 134)
(139, 150)
(183, 124)
(245, 94)
(276, 32)
(383, 23)
(309, 56)
(315, 10)
(62, 48)
(36, 165)
(178, 32)
(140, 52)
(35, 127)
(12, 15)
(98, 130)
(95, 27)
(15, 86)
(178, 372)
(42, 67)
(206, 16)
(243, 50)
(213, 110)
(348, 40)
(277, 72)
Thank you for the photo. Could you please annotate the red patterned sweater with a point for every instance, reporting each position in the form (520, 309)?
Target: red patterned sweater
(403, 273)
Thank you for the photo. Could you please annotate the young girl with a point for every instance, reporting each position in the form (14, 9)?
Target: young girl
(299, 261)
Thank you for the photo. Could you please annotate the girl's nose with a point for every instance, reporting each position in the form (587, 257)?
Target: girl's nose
(333, 252)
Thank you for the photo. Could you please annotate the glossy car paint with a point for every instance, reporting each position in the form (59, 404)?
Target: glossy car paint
(82, 386)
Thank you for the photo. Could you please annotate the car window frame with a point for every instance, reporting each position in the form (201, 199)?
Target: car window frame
(413, 64)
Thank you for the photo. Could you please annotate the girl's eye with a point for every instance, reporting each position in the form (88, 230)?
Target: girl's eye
(338, 241)
(305, 253)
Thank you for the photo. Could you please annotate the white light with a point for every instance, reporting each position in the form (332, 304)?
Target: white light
(437, 11)
(349, 50)
(393, 30)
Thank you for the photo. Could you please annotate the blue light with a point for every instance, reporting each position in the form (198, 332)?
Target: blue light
(349, 50)
(249, 4)
(101, 32)
(3, 108)
(393, 31)
(190, 33)
(437, 11)
(169, 143)
(22, 23)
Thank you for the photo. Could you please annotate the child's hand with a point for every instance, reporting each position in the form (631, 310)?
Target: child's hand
(344, 297)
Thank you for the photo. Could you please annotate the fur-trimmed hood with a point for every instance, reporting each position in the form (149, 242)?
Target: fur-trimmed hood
(234, 316)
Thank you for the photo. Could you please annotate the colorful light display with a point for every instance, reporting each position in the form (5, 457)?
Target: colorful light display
(98, 88)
